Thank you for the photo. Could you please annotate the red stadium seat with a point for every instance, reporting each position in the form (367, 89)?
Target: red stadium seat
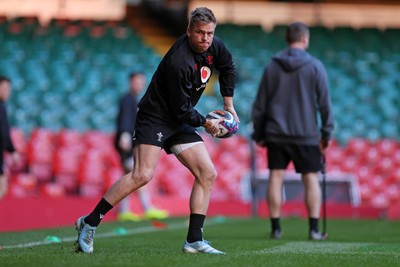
(67, 159)
(91, 190)
(24, 185)
(377, 183)
(366, 193)
(385, 166)
(42, 134)
(387, 147)
(40, 154)
(43, 171)
(68, 137)
(396, 157)
(335, 155)
(371, 157)
(350, 164)
(91, 168)
(380, 201)
(99, 140)
(357, 146)
(66, 167)
(396, 175)
(53, 190)
(363, 174)
(393, 193)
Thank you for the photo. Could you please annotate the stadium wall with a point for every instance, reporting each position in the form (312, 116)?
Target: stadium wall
(45, 10)
(328, 15)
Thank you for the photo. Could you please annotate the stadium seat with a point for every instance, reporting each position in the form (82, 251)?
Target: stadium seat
(24, 185)
(386, 147)
(392, 192)
(68, 137)
(366, 193)
(91, 168)
(357, 147)
(66, 166)
(53, 189)
(380, 201)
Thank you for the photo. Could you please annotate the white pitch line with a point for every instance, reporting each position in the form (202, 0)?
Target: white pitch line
(146, 229)
(323, 248)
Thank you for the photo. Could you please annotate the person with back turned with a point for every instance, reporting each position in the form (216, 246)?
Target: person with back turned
(292, 93)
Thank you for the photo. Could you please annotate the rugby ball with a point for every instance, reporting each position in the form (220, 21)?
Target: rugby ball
(228, 126)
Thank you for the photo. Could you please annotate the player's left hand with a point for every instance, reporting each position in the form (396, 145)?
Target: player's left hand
(232, 110)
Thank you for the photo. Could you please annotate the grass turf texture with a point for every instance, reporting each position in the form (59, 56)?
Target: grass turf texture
(246, 242)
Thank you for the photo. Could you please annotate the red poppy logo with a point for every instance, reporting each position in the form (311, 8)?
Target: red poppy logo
(205, 74)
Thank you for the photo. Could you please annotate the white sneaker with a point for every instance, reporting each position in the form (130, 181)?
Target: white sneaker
(202, 246)
(86, 235)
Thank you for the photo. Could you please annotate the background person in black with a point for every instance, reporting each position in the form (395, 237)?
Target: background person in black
(292, 93)
(123, 142)
(5, 138)
(167, 119)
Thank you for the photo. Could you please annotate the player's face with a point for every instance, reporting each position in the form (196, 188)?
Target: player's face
(5, 90)
(137, 83)
(200, 36)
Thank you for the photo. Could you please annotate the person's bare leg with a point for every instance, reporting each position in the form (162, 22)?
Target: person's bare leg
(3, 186)
(312, 194)
(146, 159)
(125, 213)
(313, 203)
(198, 161)
(274, 192)
(274, 201)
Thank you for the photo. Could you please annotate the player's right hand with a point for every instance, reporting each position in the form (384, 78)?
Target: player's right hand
(323, 145)
(211, 126)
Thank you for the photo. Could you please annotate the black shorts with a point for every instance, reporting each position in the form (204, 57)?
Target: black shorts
(305, 158)
(153, 131)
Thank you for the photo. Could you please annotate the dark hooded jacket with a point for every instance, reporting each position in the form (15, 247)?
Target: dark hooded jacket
(292, 91)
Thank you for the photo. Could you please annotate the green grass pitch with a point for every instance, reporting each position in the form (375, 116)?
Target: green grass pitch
(245, 241)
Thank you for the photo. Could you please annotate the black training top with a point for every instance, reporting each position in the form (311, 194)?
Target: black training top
(181, 78)
(5, 138)
(126, 118)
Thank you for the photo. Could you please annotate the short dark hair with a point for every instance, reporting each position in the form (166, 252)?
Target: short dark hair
(134, 74)
(4, 79)
(202, 14)
(295, 31)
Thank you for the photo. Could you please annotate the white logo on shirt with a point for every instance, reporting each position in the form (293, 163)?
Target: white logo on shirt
(205, 74)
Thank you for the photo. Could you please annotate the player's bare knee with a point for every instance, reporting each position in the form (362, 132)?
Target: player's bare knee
(208, 175)
(142, 178)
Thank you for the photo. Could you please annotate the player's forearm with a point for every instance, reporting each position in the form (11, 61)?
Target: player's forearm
(228, 102)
